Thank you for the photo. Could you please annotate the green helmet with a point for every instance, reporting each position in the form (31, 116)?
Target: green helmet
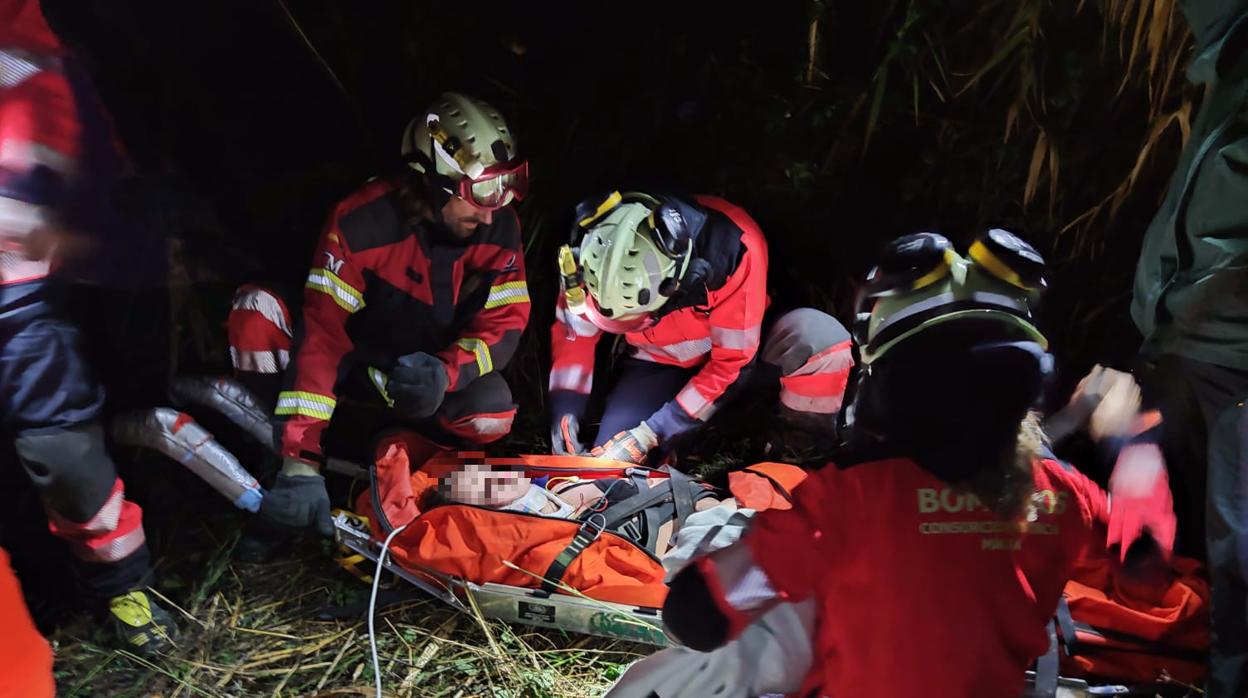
(623, 264)
(464, 144)
(923, 282)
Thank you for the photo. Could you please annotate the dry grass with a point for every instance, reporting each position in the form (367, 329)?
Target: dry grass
(251, 630)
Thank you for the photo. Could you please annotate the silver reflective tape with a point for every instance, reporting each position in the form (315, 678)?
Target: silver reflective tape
(265, 303)
(741, 340)
(574, 378)
(751, 591)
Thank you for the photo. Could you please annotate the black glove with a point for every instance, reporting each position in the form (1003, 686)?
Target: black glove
(417, 385)
(298, 499)
(565, 436)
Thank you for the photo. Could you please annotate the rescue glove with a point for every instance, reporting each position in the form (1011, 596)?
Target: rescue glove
(565, 436)
(298, 498)
(1104, 403)
(418, 385)
(1140, 503)
(630, 446)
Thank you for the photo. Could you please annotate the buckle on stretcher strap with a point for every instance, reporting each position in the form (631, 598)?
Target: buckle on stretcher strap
(587, 533)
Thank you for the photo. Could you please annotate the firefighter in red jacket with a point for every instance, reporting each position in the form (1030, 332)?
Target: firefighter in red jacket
(937, 549)
(56, 158)
(685, 281)
(416, 300)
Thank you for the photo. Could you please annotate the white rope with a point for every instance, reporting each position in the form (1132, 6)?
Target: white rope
(372, 605)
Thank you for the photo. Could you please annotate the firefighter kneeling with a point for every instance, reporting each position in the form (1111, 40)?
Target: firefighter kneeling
(416, 300)
(685, 281)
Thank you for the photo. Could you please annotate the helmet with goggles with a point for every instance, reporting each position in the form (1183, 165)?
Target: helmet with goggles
(633, 251)
(922, 282)
(464, 145)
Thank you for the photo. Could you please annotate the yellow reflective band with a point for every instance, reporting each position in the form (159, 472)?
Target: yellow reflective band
(381, 380)
(603, 209)
(507, 294)
(986, 259)
(327, 282)
(133, 609)
(298, 402)
(936, 274)
(480, 350)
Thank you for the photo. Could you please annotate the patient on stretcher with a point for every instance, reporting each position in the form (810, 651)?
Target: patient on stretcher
(641, 506)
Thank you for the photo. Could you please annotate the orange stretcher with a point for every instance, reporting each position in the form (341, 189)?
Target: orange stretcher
(569, 574)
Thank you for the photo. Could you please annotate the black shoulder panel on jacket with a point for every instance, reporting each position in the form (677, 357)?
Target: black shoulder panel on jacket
(375, 224)
(720, 244)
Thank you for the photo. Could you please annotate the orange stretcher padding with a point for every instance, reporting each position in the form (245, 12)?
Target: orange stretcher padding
(487, 546)
(1135, 633)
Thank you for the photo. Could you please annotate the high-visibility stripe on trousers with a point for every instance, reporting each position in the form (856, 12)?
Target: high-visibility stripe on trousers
(114, 533)
(259, 329)
(813, 353)
(807, 350)
(50, 403)
(480, 413)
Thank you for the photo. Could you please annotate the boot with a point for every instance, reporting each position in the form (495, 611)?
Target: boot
(141, 625)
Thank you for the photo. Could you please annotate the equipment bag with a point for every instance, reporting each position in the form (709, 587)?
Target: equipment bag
(1112, 628)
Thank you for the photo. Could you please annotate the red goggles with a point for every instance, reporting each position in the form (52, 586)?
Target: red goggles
(496, 187)
(632, 323)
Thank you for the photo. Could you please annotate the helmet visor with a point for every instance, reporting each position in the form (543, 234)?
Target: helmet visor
(620, 325)
(497, 186)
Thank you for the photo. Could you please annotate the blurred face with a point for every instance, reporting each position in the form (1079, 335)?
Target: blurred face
(483, 485)
(462, 218)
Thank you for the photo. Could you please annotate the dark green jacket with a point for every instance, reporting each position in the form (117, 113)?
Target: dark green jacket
(1191, 284)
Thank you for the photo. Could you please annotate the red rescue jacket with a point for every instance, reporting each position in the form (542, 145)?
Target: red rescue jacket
(58, 151)
(718, 331)
(381, 289)
(39, 123)
(921, 590)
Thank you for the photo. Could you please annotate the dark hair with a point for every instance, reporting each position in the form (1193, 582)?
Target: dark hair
(415, 196)
(432, 498)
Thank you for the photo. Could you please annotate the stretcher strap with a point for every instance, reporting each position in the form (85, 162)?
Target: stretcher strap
(682, 498)
(1046, 666)
(586, 534)
(1066, 626)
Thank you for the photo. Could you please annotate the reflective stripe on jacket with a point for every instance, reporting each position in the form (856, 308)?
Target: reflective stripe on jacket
(382, 288)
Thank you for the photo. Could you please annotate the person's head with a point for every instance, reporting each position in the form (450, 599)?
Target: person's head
(634, 252)
(482, 484)
(952, 360)
(467, 159)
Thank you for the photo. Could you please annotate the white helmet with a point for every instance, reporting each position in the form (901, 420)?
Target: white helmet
(623, 262)
(463, 143)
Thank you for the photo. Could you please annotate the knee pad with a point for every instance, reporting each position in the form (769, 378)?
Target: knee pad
(232, 400)
(70, 467)
(180, 438)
